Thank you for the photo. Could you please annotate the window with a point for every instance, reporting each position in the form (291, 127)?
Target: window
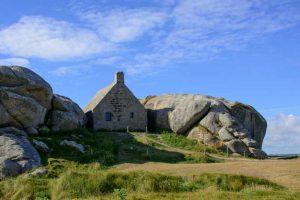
(108, 116)
(131, 115)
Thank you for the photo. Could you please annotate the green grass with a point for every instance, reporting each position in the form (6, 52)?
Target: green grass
(73, 175)
(99, 147)
(200, 158)
(133, 151)
(213, 194)
(147, 147)
(94, 182)
(180, 141)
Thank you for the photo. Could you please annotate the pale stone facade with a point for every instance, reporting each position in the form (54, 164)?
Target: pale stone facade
(116, 108)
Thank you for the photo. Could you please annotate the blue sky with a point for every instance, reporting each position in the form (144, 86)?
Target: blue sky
(246, 50)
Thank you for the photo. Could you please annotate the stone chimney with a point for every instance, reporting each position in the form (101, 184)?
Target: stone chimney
(119, 77)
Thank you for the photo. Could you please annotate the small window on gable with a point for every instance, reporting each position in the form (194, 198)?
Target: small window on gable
(131, 115)
(108, 116)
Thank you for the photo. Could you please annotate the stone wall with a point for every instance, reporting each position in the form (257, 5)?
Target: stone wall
(120, 102)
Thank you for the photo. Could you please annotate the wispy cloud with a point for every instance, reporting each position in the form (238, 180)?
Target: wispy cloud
(148, 38)
(15, 61)
(283, 134)
(62, 71)
(199, 30)
(124, 25)
(47, 38)
(85, 66)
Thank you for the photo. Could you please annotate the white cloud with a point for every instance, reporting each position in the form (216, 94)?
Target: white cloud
(147, 39)
(283, 134)
(15, 61)
(41, 37)
(199, 30)
(107, 60)
(62, 71)
(78, 69)
(124, 25)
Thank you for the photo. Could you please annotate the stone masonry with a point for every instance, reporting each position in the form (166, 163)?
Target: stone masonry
(116, 108)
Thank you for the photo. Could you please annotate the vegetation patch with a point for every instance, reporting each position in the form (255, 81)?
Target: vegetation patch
(98, 147)
(234, 183)
(75, 175)
(90, 183)
(180, 141)
(78, 185)
(131, 150)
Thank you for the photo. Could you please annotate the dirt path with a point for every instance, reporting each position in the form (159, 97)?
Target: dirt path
(283, 172)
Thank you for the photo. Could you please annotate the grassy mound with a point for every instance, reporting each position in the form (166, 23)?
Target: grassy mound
(94, 182)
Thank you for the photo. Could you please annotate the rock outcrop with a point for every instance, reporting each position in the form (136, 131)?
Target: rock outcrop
(212, 121)
(27, 102)
(25, 97)
(73, 144)
(65, 115)
(27, 105)
(17, 155)
(40, 145)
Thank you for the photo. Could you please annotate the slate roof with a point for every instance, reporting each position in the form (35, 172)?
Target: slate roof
(98, 97)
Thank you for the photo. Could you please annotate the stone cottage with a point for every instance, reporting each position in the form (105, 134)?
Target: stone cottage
(115, 108)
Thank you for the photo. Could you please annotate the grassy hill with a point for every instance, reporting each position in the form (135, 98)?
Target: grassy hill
(149, 166)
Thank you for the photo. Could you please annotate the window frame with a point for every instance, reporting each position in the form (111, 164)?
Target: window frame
(108, 116)
(131, 115)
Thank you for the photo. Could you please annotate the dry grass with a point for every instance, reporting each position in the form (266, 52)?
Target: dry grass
(210, 193)
(283, 172)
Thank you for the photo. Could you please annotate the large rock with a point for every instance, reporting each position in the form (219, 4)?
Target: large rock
(250, 119)
(225, 135)
(177, 112)
(17, 155)
(237, 146)
(257, 153)
(25, 97)
(73, 144)
(65, 115)
(204, 136)
(9, 168)
(40, 145)
(12, 130)
(212, 121)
